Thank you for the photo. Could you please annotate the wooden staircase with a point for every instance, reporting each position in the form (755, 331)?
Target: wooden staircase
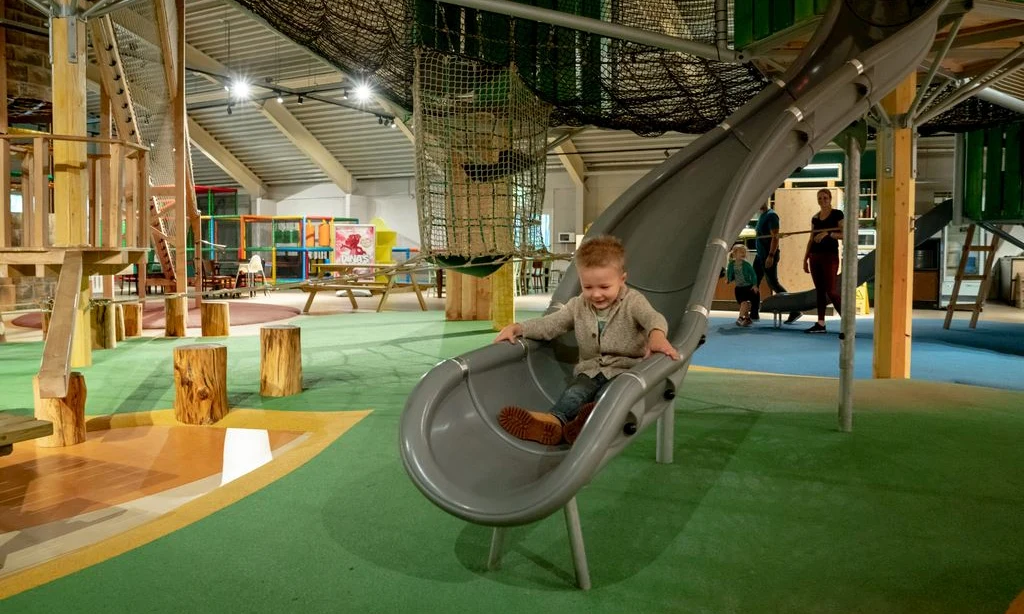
(985, 277)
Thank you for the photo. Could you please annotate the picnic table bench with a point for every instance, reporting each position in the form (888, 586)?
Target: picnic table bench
(324, 282)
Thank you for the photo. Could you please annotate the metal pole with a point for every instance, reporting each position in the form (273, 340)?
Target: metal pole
(497, 546)
(39, 6)
(722, 25)
(666, 435)
(972, 88)
(579, 553)
(954, 29)
(105, 6)
(603, 28)
(959, 148)
(848, 327)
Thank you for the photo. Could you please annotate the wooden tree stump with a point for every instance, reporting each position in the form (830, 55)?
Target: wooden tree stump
(280, 360)
(200, 383)
(216, 319)
(119, 322)
(104, 326)
(175, 313)
(132, 319)
(66, 414)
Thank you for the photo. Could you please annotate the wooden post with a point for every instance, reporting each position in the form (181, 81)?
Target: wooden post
(280, 360)
(216, 319)
(175, 314)
(67, 414)
(132, 319)
(467, 297)
(200, 383)
(503, 290)
(104, 326)
(894, 260)
(119, 322)
(46, 323)
(6, 227)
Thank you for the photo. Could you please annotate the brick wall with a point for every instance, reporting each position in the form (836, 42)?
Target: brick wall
(28, 60)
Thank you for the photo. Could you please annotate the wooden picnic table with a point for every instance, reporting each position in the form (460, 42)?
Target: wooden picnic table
(324, 282)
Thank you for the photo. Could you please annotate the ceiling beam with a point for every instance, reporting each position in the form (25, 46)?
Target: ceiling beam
(998, 8)
(399, 114)
(308, 144)
(980, 35)
(573, 162)
(219, 155)
(323, 79)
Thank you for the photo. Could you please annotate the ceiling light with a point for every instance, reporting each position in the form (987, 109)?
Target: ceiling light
(240, 89)
(280, 98)
(363, 92)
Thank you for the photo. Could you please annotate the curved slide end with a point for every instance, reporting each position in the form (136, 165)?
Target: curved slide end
(460, 458)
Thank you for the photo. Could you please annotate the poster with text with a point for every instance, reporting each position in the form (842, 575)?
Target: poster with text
(355, 244)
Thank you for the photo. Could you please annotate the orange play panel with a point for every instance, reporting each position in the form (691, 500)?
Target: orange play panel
(41, 485)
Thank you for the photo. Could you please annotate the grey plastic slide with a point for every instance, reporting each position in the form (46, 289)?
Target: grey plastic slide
(924, 228)
(677, 224)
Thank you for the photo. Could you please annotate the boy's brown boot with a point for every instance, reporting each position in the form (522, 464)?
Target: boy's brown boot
(531, 425)
(572, 428)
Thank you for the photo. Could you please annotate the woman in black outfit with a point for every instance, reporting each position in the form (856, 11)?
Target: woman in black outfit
(821, 259)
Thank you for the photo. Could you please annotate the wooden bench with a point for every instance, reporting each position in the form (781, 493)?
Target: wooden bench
(322, 283)
(14, 429)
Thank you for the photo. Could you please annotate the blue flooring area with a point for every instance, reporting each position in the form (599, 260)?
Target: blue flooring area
(990, 355)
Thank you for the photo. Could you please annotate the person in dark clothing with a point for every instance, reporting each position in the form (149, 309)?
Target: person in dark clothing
(821, 259)
(766, 260)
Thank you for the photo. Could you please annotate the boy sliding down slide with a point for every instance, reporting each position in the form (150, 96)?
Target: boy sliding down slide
(615, 329)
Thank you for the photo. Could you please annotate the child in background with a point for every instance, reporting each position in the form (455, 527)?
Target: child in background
(742, 273)
(615, 329)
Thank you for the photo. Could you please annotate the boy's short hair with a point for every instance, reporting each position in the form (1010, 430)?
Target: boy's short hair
(602, 250)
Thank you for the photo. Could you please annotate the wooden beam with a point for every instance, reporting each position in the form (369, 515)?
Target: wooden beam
(166, 23)
(180, 143)
(895, 259)
(399, 114)
(988, 33)
(219, 155)
(6, 229)
(114, 82)
(572, 162)
(55, 367)
(69, 58)
(308, 144)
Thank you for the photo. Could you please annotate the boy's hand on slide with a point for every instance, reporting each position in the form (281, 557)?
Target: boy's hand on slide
(510, 333)
(658, 343)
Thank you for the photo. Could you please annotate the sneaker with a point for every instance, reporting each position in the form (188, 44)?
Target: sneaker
(746, 322)
(531, 425)
(793, 317)
(739, 321)
(817, 328)
(574, 427)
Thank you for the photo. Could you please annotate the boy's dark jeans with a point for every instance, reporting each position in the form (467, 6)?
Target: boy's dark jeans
(582, 390)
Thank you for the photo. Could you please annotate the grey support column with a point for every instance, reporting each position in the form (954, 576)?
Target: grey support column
(579, 553)
(849, 289)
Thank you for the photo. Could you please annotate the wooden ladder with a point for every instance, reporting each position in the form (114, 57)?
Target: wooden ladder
(985, 278)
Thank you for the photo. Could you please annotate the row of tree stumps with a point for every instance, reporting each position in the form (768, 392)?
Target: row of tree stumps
(200, 370)
(200, 374)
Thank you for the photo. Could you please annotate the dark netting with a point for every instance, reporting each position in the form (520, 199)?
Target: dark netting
(971, 114)
(588, 79)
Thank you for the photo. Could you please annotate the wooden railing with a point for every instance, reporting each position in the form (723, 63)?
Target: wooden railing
(116, 193)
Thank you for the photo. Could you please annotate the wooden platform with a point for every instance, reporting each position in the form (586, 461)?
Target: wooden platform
(95, 260)
(14, 429)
